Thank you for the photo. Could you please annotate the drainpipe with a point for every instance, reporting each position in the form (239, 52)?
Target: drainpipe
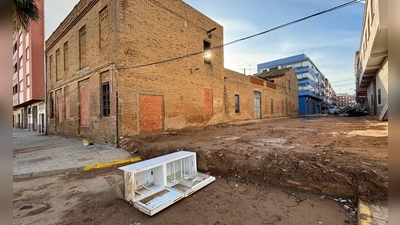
(116, 117)
(45, 94)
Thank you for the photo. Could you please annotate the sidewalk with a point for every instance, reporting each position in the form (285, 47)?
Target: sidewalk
(35, 154)
(372, 214)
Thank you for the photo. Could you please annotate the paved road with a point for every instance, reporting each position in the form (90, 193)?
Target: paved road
(36, 154)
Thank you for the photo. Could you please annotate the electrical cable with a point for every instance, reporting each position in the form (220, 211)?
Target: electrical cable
(245, 38)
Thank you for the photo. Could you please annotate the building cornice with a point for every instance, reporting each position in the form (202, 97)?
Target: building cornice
(60, 32)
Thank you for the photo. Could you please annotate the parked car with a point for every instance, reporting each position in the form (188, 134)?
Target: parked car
(324, 110)
(333, 110)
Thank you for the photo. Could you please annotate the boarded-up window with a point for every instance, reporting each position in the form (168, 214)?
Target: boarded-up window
(51, 65)
(272, 106)
(271, 85)
(67, 103)
(208, 101)
(57, 64)
(59, 106)
(237, 106)
(84, 101)
(52, 105)
(151, 113)
(82, 47)
(104, 26)
(256, 81)
(66, 55)
(105, 99)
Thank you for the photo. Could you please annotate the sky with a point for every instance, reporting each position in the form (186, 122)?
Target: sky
(330, 40)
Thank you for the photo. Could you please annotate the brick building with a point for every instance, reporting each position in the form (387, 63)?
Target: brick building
(118, 68)
(28, 77)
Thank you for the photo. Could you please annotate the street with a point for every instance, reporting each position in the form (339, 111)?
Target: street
(271, 171)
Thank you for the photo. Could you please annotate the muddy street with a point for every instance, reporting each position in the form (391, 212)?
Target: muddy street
(271, 171)
(86, 198)
(339, 156)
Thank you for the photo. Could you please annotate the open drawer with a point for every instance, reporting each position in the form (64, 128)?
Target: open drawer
(154, 184)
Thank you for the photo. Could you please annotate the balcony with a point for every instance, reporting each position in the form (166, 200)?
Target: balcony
(308, 91)
(374, 42)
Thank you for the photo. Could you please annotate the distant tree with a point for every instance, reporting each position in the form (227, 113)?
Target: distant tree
(23, 12)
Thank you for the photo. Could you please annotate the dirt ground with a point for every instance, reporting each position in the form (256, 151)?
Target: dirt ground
(275, 171)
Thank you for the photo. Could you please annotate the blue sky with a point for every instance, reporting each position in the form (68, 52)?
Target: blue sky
(330, 40)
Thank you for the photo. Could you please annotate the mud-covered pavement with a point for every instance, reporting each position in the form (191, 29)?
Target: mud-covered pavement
(276, 171)
(340, 156)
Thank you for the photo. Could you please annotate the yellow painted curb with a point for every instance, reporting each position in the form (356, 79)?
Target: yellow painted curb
(364, 214)
(106, 164)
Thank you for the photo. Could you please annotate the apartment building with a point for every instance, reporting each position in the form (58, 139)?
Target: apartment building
(119, 68)
(344, 99)
(330, 97)
(28, 76)
(311, 82)
(373, 60)
(361, 92)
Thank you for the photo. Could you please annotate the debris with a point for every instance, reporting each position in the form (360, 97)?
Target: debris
(228, 180)
(346, 207)
(369, 164)
(86, 141)
(374, 198)
(26, 207)
(113, 184)
(323, 196)
(136, 151)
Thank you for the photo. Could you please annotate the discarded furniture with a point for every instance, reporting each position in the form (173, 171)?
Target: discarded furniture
(154, 184)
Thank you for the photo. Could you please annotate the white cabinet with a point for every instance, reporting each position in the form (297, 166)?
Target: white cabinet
(154, 184)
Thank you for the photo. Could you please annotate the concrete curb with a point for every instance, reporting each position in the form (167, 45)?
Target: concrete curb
(75, 169)
(371, 214)
(113, 163)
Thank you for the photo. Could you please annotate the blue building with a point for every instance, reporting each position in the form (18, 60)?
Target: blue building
(310, 81)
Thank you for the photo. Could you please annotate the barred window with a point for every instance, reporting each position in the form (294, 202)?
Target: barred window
(105, 99)
(104, 26)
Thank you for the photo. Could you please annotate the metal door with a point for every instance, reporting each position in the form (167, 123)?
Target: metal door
(257, 105)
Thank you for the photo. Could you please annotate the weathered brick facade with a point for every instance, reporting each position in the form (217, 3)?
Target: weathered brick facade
(119, 50)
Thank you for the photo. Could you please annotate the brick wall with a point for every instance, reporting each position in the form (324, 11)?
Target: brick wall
(164, 96)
